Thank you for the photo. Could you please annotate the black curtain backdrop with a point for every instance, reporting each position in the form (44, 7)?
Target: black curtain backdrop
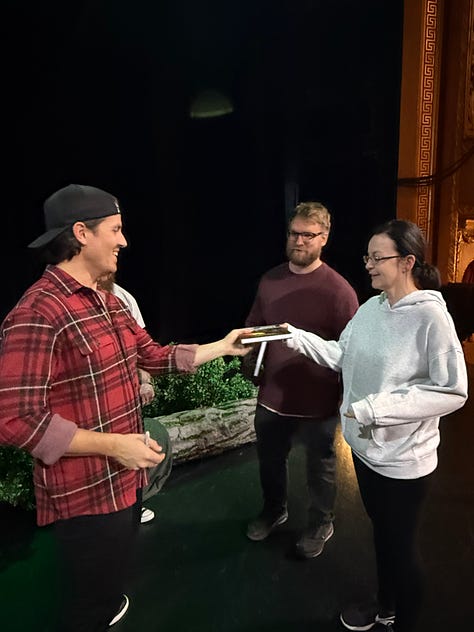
(98, 93)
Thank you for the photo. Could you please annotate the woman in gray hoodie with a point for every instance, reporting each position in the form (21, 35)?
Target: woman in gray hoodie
(402, 369)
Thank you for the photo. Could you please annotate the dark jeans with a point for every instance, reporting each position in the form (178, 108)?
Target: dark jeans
(394, 506)
(275, 434)
(95, 552)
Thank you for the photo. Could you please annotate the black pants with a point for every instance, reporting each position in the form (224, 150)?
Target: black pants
(394, 506)
(274, 440)
(95, 552)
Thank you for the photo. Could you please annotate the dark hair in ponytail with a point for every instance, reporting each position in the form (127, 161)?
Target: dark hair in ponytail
(409, 240)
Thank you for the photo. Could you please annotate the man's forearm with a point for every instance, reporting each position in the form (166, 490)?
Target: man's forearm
(131, 450)
(229, 345)
(89, 442)
(210, 351)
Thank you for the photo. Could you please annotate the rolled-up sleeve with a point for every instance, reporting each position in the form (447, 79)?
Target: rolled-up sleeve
(55, 441)
(185, 355)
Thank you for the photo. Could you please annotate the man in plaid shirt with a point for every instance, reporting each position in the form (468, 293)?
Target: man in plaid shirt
(69, 355)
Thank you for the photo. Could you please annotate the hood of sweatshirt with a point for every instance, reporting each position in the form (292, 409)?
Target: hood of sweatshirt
(414, 298)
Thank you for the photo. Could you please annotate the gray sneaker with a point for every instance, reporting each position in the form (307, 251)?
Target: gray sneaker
(264, 524)
(311, 543)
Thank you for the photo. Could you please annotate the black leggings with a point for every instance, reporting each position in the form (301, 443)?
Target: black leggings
(394, 505)
(95, 554)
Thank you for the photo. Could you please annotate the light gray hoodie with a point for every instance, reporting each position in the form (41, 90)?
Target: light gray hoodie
(402, 369)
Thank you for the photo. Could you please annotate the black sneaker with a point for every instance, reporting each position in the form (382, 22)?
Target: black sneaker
(262, 526)
(366, 617)
(311, 543)
(122, 611)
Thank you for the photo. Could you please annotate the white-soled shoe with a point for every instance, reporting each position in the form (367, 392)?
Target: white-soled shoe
(147, 515)
(122, 611)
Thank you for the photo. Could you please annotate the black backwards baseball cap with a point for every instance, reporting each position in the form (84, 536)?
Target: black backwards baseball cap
(71, 204)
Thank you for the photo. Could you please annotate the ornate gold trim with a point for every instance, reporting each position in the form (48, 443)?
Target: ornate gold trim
(427, 114)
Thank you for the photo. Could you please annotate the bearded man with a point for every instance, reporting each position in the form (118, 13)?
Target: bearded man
(298, 398)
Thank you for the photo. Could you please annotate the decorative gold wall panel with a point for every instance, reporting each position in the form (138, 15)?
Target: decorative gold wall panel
(427, 115)
(461, 211)
(422, 38)
(469, 97)
(438, 77)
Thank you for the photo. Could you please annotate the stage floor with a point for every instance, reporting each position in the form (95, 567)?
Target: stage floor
(197, 572)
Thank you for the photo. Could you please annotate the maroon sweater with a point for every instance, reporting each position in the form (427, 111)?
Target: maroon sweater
(322, 302)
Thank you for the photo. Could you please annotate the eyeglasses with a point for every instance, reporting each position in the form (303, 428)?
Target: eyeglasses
(306, 237)
(375, 260)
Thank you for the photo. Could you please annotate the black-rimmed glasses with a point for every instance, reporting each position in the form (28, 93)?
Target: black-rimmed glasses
(306, 237)
(375, 260)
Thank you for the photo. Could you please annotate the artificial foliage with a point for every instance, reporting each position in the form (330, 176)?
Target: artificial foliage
(16, 479)
(214, 383)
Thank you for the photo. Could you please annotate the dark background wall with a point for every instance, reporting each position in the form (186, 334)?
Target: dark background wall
(98, 93)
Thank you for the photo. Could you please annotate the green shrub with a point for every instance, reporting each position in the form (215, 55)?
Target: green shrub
(214, 383)
(16, 482)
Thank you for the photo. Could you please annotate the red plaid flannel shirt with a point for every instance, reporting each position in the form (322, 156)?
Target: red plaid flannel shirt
(68, 359)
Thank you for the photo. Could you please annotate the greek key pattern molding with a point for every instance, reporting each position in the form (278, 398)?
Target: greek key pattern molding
(427, 112)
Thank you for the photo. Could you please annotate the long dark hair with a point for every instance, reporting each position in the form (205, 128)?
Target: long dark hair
(409, 240)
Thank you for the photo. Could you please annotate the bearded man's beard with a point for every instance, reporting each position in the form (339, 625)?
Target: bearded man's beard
(301, 258)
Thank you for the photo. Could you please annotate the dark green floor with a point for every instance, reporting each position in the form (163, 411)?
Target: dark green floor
(197, 572)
